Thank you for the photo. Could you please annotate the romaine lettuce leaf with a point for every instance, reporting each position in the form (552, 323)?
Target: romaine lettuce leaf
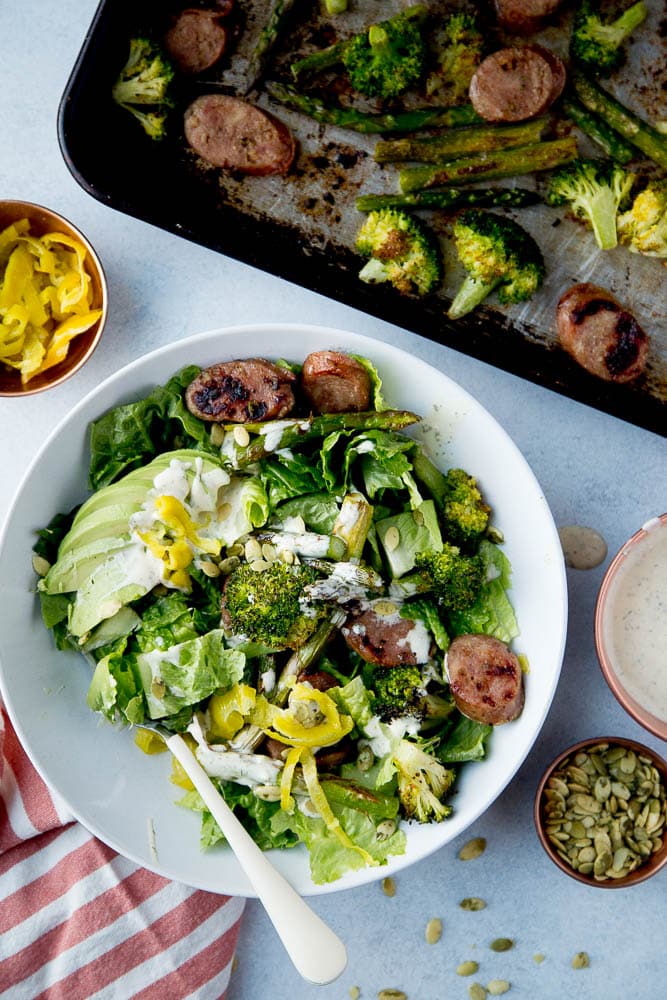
(290, 475)
(248, 508)
(418, 531)
(466, 741)
(318, 510)
(492, 613)
(377, 399)
(255, 814)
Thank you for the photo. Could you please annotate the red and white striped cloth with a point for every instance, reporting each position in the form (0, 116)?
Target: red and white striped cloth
(77, 920)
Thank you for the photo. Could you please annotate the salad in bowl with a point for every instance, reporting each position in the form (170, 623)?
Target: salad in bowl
(322, 575)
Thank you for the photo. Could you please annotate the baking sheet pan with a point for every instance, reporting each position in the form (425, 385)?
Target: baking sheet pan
(302, 227)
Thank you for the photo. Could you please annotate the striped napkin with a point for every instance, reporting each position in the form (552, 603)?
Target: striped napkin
(77, 920)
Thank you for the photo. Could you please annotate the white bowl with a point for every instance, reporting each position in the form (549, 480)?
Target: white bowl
(109, 785)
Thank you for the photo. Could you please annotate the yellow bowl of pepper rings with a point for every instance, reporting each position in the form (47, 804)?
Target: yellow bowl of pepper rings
(53, 298)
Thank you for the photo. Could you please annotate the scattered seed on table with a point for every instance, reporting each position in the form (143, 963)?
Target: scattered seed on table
(581, 960)
(501, 944)
(467, 969)
(388, 887)
(472, 903)
(472, 849)
(497, 987)
(538, 959)
(476, 991)
(433, 931)
(354, 992)
(390, 994)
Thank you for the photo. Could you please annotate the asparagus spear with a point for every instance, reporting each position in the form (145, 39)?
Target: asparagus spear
(611, 142)
(458, 142)
(621, 119)
(273, 435)
(486, 166)
(449, 198)
(367, 123)
(267, 39)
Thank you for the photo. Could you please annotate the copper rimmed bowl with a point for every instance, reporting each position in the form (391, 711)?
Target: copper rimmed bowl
(545, 814)
(42, 221)
(629, 610)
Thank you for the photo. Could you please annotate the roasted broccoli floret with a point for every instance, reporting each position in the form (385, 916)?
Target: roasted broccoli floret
(459, 46)
(454, 579)
(401, 250)
(498, 254)
(464, 513)
(595, 43)
(398, 691)
(423, 783)
(594, 190)
(264, 607)
(389, 57)
(643, 228)
(143, 86)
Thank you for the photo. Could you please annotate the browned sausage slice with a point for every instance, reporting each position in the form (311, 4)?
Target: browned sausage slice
(485, 679)
(380, 636)
(515, 84)
(196, 40)
(602, 336)
(241, 391)
(231, 133)
(524, 17)
(335, 383)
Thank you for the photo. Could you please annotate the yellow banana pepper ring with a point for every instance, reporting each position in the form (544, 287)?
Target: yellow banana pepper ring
(325, 811)
(228, 711)
(284, 725)
(293, 758)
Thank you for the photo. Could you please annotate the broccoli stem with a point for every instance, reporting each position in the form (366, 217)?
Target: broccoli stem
(484, 166)
(459, 142)
(621, 119)
(449, 198)
(371, 124)
(272, 436)
(599, 131)
(267, 39)
(469, 296)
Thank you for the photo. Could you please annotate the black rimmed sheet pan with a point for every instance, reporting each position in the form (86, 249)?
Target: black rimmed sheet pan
(301, 227)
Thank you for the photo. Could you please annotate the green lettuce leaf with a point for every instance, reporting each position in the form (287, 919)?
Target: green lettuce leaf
(292, 475)
(255, 814)
(318, 510)
(377, 398)
(492, 613)
(425, 610)
(418, 531)
(466, 741)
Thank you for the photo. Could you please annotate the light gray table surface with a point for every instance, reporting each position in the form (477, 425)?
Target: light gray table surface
(595, 470)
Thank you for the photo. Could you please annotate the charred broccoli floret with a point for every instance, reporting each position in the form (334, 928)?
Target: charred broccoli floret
(595, 43)
(423, 782)
(265, 607)
(498, 254)
(643, 228)
(459, 45)
(464, 513)
(388, 58)
(402, 251)
(455, 579)
(143, 86)
(594, 190)
(398, 691)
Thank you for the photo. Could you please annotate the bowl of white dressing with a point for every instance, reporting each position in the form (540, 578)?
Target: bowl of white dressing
(631, 626)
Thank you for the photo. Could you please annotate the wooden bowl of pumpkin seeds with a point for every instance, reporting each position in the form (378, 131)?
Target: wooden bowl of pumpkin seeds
(601, 812)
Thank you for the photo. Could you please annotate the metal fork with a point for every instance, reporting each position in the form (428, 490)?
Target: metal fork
(317, 953)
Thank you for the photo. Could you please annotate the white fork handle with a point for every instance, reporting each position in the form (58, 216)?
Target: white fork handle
(317, 953)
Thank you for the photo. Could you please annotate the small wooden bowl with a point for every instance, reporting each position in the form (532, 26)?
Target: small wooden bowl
(654, 862)
(43, 220)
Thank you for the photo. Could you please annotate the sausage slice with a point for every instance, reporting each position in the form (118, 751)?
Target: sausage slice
(241, 391)
(602, 336)
(485, 679)
(524, 17)
(380, 636)
(516, 83)
(196, 40)
(231, 133)
(335, 383)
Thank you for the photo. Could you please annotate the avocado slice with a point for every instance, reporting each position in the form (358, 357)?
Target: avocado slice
(75, 567)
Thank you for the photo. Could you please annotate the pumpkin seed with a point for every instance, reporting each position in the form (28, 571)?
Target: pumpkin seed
(217, 435)
(538, 958)
(581, 960)
(476, 991)
(366, 759)
(497, 987)
(501, 944)
(472, 903)
(40, 565)
(385, 829)
(390, 994)
(354, 992)
(392, 538)
(433, 931)
(472, 849)
(467, 968)
(241, 436)
(388, 887)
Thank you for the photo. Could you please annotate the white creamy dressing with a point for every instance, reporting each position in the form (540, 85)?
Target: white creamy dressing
(634, 628)
(273, 432)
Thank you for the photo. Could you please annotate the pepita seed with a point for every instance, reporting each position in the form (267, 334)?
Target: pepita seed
(472, 849)
(476, 991)
(497, 987)
(354, 992)
(259, 565)
(366, 759)
(385, 829)
(253, 550)
(209, 568)
(472, 903)
(467, 969)
(388, 887)
(392, 538)
(581, 960)
(241, 436)
(40, 565)
(390, 994)
(217, 435)
(538, 958)
(433, 931)
(502, 944)
(222, 513)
